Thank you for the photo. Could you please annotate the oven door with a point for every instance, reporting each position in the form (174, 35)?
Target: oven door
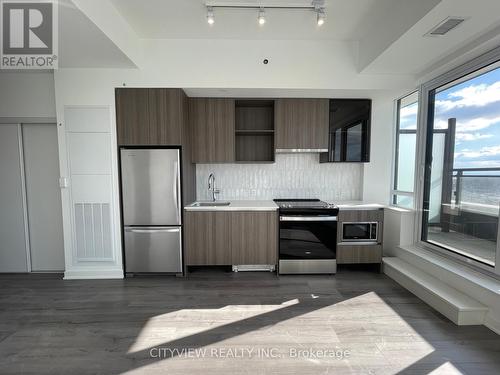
(308, 237)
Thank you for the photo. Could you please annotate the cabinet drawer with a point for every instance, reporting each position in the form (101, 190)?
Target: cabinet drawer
(348, 254)
(153, 249)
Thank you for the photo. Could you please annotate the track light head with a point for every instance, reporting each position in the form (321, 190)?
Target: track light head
(320, 16)
(262, 16)
(210, 15)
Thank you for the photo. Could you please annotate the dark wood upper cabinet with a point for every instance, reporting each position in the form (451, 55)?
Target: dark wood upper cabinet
(349, 138)
(150, 116)
(167, 115)
(212, 124)
(301, 123)
(132, 116)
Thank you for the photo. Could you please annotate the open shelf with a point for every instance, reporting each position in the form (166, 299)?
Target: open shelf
(261, 132)
(254, 130)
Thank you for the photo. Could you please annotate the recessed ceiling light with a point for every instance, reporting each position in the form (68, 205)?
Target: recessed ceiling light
(210, 15)
(262, 16)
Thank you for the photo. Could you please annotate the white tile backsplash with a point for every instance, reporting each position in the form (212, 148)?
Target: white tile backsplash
(291, 176)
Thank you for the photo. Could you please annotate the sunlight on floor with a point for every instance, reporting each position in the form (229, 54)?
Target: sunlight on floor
(155, 333)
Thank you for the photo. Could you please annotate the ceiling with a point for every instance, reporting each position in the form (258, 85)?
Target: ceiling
(186, 19)
(83, 45)
(364, 37)
(413, 51)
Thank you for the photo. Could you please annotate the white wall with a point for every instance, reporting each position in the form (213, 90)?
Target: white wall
(27, 94)
(378, 172)
(399, 229)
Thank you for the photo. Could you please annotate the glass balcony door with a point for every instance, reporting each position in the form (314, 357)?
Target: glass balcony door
(461, 192)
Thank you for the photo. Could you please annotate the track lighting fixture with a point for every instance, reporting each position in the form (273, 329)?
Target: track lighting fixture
(317, 6)
(262, 16)
(320, 16)
(210, 15)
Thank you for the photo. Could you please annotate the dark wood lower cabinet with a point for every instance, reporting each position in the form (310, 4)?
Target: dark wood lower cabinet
(254, 237)
(349, 254)
(230, 237)
(207, 238)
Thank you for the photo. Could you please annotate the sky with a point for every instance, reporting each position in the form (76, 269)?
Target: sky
(475, 104)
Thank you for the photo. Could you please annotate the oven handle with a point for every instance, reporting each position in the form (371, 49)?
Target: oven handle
(308, 218)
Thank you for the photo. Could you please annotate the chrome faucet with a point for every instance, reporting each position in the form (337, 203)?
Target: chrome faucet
(211, 187)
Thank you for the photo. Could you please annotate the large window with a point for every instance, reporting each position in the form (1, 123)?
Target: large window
(404, 165)
(461, 196)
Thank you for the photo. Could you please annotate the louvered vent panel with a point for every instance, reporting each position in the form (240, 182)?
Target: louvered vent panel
(446, 26)
(93, 231)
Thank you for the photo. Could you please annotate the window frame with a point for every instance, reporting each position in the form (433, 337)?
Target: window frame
(479, 65)
(394, 180)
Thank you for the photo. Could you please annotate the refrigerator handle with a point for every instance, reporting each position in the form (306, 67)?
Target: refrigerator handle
(177, 187)
(152, 230)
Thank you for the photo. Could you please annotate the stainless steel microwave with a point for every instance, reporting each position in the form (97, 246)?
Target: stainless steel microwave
(366, 231)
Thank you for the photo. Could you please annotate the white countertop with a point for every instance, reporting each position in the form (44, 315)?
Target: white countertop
(269, 205)
(248, 205)
(358, 205)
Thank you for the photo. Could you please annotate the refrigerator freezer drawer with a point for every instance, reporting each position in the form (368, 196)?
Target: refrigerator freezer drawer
(153, 249)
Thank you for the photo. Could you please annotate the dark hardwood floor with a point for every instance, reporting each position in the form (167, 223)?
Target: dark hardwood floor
(244, 323)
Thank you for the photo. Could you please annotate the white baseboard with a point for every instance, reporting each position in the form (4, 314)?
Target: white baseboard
(86, 274)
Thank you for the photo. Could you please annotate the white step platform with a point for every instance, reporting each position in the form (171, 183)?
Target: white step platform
(456, 306)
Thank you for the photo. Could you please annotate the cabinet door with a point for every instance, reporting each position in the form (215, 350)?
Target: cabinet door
(207, 238)
(349, 130)
(212, 122)
(166, 116)
(301, 123)
(150, 116)
(132, 116)
(254, 237)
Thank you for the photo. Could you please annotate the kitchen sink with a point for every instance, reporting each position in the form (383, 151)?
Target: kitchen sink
(210, 204)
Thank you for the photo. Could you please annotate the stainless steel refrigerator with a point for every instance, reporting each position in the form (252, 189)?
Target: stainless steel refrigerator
(151, 204)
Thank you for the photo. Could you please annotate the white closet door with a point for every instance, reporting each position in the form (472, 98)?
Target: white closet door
(13, 254)
(43, 195)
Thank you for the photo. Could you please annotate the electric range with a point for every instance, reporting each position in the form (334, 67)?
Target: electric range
(307, 236)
